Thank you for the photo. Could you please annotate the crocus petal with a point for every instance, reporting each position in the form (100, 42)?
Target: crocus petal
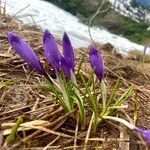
(68, 51)
(145, 49)
(25, 52)
(96, 62)
(145, 134)
(51, 49)
(65, 67)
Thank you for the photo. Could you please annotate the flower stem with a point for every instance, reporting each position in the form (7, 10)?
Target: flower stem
(126, 123)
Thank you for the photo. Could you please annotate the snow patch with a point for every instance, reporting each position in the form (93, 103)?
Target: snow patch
(56, 20)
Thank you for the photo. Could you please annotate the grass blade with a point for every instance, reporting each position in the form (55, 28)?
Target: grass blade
(12, 135)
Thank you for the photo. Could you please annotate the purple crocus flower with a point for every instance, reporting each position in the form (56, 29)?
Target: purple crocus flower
(96, 62)
(65, 68)
(68, 51)
(51, 50)
(145, 49)
(145, 134)
(25, 52)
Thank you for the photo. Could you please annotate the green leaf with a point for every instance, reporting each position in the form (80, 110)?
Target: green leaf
(12, 135)
(118, 102)
(6, 83)
(44, 87)
(81, 110)
(113, 92)
(89, 96)
(123, 97)
(104, 94)
(80, 64)
(65, 92)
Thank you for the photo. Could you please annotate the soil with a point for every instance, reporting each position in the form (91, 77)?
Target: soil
(20, 95)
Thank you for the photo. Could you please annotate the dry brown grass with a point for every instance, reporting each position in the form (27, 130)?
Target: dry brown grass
(53, 128)
(138, 56)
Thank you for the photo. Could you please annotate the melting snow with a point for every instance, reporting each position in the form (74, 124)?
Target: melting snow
(56, 20)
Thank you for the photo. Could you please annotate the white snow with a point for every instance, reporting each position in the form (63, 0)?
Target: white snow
(124, 7)
(56, 20)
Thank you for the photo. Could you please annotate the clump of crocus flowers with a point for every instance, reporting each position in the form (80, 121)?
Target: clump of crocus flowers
(65, 85)
(57, 61)
(62, 64)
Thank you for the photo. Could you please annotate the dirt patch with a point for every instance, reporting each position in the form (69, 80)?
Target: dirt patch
(20, 95)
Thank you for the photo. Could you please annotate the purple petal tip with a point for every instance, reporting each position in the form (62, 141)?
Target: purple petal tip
(65, 68)
(25, 52)
(145, 134)
(51, 49)
(68, 51)
(96, 62)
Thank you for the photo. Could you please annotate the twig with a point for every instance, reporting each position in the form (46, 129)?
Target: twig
(50, 124)
(93, 17)
(88, 132)
(20, 10)
(76, 131)
(47, 146)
